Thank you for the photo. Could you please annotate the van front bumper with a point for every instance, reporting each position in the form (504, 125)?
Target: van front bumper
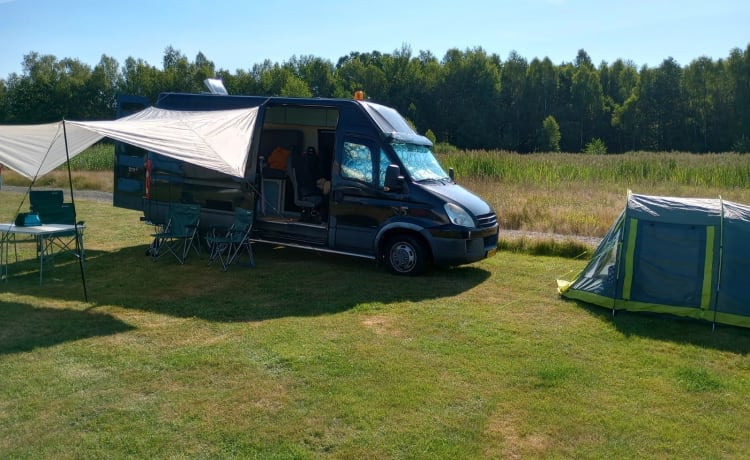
(458, 247)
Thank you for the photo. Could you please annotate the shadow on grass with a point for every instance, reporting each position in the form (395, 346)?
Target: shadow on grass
(25, 327)
(285, 282)
(677, 329)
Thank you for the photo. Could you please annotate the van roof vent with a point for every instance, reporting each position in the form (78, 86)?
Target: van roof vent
(215, 86)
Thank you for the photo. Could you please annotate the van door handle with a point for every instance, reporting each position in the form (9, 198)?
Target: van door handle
(338, 194)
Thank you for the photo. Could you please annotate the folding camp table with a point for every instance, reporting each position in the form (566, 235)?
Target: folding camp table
(45, 236)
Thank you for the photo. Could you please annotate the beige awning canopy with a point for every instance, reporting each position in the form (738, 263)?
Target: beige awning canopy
(218, 140)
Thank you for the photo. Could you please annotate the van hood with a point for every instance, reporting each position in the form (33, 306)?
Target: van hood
(456, 194)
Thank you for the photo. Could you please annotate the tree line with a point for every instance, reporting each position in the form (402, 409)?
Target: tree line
(468, 99)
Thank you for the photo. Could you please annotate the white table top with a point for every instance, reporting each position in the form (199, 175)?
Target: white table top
(46, 229)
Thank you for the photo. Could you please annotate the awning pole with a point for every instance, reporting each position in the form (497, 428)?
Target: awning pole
(79, 248)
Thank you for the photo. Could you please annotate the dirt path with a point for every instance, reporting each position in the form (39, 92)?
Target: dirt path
(91, 195)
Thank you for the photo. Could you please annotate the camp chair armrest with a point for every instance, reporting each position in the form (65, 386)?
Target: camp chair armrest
(236, 233)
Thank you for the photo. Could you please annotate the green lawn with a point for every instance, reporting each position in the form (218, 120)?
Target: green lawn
(309, 356)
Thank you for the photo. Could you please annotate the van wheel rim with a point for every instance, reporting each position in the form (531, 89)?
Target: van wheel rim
(403, 257)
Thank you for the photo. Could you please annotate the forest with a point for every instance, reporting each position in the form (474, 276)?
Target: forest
(469, 99)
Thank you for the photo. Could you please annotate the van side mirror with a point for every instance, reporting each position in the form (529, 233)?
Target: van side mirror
(452, 174)
(394, 181)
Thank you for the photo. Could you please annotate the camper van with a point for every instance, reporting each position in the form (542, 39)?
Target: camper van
(345, 176)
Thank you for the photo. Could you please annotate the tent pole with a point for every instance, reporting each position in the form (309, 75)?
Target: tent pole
(721, 263)
(79, 249)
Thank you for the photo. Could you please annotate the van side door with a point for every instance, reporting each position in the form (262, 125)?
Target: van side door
(358, 204)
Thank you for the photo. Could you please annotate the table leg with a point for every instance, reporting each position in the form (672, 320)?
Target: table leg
(4, 257)
(41, 249)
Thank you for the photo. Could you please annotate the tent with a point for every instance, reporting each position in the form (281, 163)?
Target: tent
(218, 140)
(683, 256)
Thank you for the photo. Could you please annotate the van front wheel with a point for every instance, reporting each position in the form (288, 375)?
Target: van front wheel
(405, 255)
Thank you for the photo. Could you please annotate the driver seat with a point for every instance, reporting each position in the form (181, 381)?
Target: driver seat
(306, 194)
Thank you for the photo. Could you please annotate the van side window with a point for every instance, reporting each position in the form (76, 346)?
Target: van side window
(356, 162)
(384, 162)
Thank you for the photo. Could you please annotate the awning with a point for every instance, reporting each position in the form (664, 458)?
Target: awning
(35, 150)
(218, 140)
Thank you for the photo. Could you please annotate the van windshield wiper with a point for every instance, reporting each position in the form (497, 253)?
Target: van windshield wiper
(432, 180)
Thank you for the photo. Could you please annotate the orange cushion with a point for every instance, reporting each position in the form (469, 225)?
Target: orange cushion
(277, 160)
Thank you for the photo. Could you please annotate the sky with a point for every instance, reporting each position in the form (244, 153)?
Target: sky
(236, 34)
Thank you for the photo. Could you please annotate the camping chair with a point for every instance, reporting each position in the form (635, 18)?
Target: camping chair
(227, 246)
(179, 234)
(52, 210)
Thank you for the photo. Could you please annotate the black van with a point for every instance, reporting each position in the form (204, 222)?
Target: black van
(345, 176)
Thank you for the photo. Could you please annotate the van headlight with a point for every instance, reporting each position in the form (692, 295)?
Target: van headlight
(458, 215)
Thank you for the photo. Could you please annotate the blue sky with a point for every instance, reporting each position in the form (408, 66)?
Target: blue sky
(235, 34)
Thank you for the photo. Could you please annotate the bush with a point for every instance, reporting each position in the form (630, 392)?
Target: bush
(550, 135)
(595, 147)
(431, 136)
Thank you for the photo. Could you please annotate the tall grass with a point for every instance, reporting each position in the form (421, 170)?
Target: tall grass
(92, 169)
(583, 194)
(727, 170)
(571, 194)
(98, 157)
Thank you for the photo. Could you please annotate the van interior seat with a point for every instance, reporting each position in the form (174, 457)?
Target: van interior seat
(270, 140)
(306, 193)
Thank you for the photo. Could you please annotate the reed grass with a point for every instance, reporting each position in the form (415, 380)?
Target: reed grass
(726, 170)
(98, 157)
(582, 194)
(563, 193)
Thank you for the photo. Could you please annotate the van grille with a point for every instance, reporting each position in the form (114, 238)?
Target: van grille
(487, 220)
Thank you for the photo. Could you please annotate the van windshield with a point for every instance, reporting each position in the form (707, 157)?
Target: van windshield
(419, 162)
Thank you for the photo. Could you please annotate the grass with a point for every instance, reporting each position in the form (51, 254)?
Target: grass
(546, 247)
(581, 194)
(727, 170)
(98, 157)
(82, 180)
(320, 356)
(91, 170)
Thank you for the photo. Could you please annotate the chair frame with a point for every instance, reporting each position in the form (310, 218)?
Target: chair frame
(227, 246)
(179, 234)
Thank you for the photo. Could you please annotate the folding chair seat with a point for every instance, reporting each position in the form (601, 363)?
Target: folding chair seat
(227, 246)
(179, 234)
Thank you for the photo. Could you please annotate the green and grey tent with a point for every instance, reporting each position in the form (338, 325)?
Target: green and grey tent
(683, 256)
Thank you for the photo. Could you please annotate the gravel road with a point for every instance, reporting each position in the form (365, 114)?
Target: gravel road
(91, 195)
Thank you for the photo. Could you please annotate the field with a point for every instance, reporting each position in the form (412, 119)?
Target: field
(319, 356)
(569, 194)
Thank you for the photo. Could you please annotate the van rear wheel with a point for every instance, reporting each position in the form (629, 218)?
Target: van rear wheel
(405, 255)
